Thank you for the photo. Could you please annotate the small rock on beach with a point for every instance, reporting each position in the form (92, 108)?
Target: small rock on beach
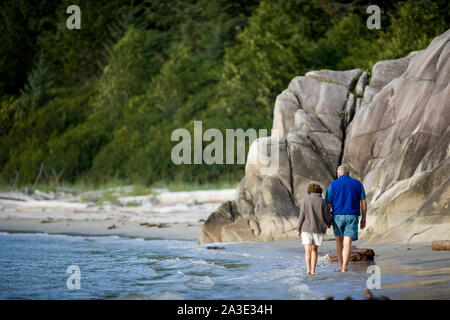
(440, 245)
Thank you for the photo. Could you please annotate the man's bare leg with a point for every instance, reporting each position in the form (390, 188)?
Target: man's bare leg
(346, 253)
(313, 258)
(308, 258)
(339, 246)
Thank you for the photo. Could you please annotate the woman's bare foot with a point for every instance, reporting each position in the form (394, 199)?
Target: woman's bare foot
(344, 269)
(308, 272)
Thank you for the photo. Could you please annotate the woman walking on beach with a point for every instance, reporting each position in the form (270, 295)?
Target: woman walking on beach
(313, 223)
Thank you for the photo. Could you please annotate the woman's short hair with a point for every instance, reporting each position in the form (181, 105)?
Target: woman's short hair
(314, 188)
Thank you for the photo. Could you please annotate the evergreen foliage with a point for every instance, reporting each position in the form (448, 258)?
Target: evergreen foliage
(100, 103)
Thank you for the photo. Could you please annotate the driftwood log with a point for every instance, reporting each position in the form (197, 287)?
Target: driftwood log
(440, 245)
(358, 254)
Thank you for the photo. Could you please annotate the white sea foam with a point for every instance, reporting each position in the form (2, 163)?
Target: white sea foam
(325, 258)
(301, 291)
(26, 234)
(171, 260)
(206, 280)
(168, 295)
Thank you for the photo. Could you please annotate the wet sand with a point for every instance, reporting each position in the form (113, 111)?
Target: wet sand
(408, 271)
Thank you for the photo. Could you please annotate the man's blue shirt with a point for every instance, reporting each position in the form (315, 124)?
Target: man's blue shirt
(344, 195)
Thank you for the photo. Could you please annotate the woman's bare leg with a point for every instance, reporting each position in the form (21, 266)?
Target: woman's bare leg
(308, 258)
(313, 258)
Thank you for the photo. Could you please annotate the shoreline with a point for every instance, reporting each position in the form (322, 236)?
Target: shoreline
(181, 231)
(161, 214)
(418, 272)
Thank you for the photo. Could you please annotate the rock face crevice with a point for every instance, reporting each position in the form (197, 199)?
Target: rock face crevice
(392, 131)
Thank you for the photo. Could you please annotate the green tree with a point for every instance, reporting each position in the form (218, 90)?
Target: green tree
(39, 82)
(131, 65)
(269, 52)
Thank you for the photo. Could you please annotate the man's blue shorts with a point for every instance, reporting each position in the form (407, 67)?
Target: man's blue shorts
(345, 225)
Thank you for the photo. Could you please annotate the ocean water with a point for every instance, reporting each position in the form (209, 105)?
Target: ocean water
(34, 265)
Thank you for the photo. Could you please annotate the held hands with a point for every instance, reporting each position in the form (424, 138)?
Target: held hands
(299, 235)
(363, 223)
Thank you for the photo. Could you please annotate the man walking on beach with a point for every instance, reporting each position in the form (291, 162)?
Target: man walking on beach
(347, 198)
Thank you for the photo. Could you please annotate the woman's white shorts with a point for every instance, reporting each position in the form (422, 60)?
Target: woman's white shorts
(312, 238)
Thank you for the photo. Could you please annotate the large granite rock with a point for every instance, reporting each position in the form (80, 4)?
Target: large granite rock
(393, 130)
(307, 137)
(399, 145)
(384, 72)
(264, 208)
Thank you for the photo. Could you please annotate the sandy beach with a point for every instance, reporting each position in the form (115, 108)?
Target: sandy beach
(172, 215)
(164, 214)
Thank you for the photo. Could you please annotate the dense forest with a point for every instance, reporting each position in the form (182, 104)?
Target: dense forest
(100, 103)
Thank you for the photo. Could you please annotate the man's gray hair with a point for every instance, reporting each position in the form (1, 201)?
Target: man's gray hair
(343, 169)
